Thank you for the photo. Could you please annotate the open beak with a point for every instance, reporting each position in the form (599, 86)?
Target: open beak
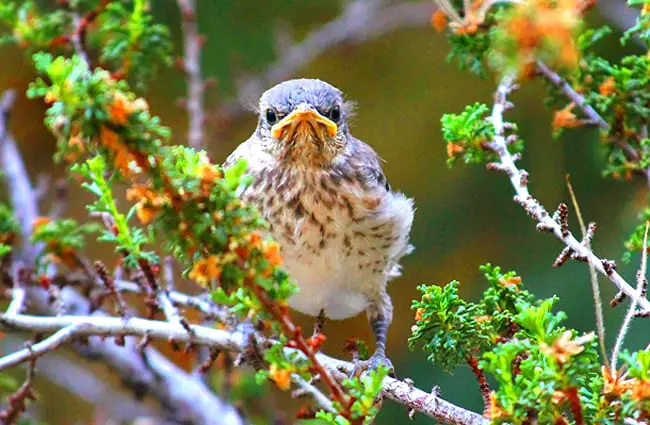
(303, 120)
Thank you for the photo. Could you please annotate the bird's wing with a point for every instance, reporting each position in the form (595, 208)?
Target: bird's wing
(367, 164)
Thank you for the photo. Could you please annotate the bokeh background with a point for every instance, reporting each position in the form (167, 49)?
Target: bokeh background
(402, 85)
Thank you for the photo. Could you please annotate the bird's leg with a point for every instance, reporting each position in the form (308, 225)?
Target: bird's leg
(380, 315)
(320, 322)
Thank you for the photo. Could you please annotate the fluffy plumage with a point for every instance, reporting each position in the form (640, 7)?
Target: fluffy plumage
(341, 228)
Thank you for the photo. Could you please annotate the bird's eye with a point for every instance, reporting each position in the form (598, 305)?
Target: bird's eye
(335, 113)
(271, 116)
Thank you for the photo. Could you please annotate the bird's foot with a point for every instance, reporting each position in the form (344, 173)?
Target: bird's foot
(377, 360)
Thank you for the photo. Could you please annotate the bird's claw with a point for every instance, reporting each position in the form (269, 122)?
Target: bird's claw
(374, 362)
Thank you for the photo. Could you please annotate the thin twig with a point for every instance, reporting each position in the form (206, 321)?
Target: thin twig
(598, 304)
(573, 95)
(18, 400)
(640, 285)
(316, 394)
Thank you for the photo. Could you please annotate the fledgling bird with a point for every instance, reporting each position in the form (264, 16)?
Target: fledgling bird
(341, 228)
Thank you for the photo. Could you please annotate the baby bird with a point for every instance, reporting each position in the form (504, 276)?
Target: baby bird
(341, 228)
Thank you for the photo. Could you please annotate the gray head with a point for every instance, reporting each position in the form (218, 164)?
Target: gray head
(303, 120)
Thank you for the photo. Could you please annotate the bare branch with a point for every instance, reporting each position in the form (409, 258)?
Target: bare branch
(21, 192)
(37, 350)
(192, 66)
(394, 389)
(535, 209)
(324, 402)
(573, 95)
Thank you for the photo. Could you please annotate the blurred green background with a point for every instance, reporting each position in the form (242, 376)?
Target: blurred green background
(402, 85)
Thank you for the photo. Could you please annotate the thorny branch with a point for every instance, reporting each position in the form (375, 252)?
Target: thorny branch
(394, 389)
(556, 224)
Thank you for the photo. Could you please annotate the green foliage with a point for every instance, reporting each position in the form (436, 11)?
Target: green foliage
(539, 365)
(62, 240)
(8, 229)
(635, 241)
(452, 330)
(466, 133)
(449, 328)
(469, 51)
(29, 27)
(129, 241)
(641, 28)
(131, 42)
(364, 390)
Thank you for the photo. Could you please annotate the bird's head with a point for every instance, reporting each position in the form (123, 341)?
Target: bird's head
(303, 121)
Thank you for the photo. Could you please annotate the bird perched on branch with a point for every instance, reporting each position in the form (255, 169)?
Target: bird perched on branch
(341, 228)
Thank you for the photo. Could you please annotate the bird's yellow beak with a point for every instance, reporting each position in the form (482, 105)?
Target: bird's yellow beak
(302, 120)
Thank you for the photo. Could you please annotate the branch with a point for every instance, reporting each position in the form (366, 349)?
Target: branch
(192, 43)
(34, 351)
(519, 179)
(186, 398)
(573, 95)
(394, 389)
(20, 191)
(359, 21)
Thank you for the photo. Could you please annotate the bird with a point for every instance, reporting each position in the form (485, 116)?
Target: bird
(341, 228)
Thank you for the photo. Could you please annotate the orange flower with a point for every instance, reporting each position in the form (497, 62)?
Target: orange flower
(562, 348)
(281, 377)
(272, 253)
(641, 389)
(607, 87)
(612, 385)
(494, 411)
(39, 222)
(439, 20)
(209, 173)
(514, 281)
(123, 156)
(550, 26)
(121, 107)
(50, 97)
(206, 269)
(453, 149)
(419, 313)
(565, 118)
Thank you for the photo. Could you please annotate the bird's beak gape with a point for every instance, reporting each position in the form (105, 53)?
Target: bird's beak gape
(301, 121)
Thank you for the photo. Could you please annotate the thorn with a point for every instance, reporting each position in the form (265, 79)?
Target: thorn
(563, 257)
(542, 227)
(435, 391)
(496, 166)
(523, 178)
(511, 139)
(609, 266)
(561, 217)
(619, 298)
